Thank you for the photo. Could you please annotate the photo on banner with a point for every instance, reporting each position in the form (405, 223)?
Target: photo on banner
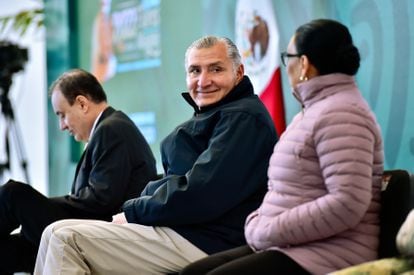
(125, 37)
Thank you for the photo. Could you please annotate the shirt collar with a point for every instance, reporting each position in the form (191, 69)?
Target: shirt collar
(93, 128)
(94, 124)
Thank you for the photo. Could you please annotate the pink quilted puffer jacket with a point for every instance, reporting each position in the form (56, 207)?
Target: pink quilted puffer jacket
(322, 205)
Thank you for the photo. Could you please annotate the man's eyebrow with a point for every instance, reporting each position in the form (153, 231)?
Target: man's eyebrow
(217, 63)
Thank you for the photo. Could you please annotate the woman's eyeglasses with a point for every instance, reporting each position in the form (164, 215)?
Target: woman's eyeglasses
(284, 56)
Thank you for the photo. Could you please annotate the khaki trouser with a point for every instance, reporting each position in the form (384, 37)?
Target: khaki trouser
(97, 247)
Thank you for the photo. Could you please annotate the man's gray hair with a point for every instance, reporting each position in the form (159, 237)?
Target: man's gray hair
(210, 41)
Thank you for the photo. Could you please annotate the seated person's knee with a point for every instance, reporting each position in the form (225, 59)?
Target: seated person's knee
(11, 188)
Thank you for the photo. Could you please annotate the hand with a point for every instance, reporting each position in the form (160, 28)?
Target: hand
(119, 218)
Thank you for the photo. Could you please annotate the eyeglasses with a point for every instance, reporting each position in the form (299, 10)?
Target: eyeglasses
(284, 57)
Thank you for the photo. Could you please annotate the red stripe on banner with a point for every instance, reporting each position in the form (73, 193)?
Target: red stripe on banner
(272, 98)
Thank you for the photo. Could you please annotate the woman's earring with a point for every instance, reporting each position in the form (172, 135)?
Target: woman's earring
(303, 78)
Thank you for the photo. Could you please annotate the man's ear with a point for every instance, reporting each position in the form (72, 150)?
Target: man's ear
(83, 102)
(240, 73)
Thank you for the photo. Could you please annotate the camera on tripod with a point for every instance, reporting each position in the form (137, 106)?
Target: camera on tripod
(12, 60)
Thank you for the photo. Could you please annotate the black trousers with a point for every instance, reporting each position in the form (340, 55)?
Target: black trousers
(21, 205)
(243, 260)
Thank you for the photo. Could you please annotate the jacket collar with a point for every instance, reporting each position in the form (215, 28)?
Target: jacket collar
(320, 87)
(107, 112)
(243, 89)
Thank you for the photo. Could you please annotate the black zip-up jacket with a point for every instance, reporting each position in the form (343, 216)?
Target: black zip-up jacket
(215, 172)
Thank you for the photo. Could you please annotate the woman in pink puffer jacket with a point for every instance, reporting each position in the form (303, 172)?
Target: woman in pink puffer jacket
(321, 211)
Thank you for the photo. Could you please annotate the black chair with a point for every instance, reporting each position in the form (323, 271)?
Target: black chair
(412, 190)
(396, 203)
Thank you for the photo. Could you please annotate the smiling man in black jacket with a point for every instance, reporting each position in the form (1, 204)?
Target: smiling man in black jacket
(215, 174)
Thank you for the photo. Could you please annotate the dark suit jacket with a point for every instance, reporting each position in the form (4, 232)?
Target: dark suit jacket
(115, 166)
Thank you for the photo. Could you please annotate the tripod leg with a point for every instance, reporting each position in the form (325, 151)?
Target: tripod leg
(4, 149)
(15, 133)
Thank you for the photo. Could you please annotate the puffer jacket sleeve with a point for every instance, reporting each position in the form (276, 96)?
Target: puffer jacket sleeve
(344, 142)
